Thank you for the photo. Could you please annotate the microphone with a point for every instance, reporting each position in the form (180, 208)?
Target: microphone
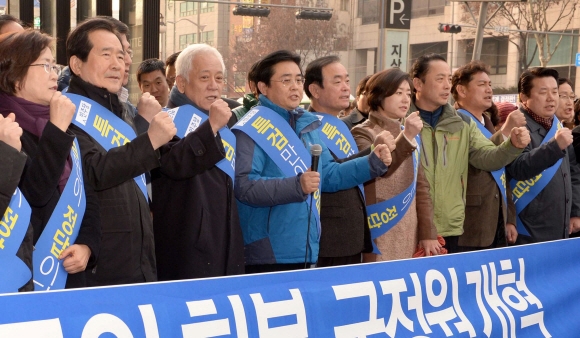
(315, 151)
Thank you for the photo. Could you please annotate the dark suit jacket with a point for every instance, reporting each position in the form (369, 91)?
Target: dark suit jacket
(547, 217)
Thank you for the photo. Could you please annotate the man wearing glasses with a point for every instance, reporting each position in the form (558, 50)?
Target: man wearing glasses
(278, 195)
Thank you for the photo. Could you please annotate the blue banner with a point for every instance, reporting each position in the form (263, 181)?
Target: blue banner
(523, 192)
(187, 118)
(504, 292)
(498, 175)
(105, 127)
(383, 216)
(62, 229)
(275, 136)
(13, 226)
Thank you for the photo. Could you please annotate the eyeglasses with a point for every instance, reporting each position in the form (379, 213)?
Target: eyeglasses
(288, 82)
(566, 97)
(48, 67)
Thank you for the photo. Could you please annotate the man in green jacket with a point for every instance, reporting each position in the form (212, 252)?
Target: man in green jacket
(450, 142)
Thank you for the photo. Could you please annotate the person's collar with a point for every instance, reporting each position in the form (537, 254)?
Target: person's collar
(123, 94)
(315, 107)
(177, 99)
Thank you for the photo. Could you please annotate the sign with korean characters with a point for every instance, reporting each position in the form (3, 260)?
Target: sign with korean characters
(396, 52)
(525, 291)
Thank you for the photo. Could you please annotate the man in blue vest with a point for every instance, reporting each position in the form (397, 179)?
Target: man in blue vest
(345, 232)
(278, 196)
(546, 177)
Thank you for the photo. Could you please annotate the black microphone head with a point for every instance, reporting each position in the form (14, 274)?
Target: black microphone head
(315, 150)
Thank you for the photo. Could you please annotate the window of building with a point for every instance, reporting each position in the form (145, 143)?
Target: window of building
(494, 53)
(206, 37)
(420, 49)
(564, 55)
(422, 8)
(190, 8)
(186, 40)
(345, 5)
(368, 10)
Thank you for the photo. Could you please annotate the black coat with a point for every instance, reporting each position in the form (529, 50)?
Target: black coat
(39, 184)
(197, 230)
(547, 217)
(127, 249)
(11, 166)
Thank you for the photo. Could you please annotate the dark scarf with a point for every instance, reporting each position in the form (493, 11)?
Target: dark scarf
(178, 99)
(543, 121)
(33, 118)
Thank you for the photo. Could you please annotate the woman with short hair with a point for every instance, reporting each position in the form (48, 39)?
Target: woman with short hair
(28, 89)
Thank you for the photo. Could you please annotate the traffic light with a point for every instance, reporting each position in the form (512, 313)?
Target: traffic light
(252, 11)
(309, 14)
(449, 28)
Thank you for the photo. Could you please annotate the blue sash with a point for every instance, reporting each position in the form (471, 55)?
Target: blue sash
(105, 127)
(13, 227)
(525, 191)
(383, 216)
(62, 229)
(345, 144)
(275, 136)
(498, 175)
(189, 118)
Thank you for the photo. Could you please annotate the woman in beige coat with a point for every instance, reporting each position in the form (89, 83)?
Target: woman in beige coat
(389, 98)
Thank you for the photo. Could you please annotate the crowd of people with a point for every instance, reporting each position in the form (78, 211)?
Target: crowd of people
(187, 184)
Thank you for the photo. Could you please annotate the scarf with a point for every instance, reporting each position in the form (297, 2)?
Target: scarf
(543, 121)
(33, 118)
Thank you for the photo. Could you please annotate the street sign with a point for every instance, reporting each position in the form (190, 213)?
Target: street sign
(398, 14)
(501, 29)
(577, 59)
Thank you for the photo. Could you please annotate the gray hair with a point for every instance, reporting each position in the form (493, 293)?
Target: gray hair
(186, 57)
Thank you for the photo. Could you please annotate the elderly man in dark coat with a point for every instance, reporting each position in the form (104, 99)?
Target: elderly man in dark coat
(554, 212)
(197, 230)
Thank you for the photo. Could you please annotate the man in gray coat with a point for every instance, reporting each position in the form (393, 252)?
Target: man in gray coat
(548, 161)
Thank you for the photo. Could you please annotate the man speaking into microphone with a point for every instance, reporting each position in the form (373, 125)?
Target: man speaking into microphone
(274, 185)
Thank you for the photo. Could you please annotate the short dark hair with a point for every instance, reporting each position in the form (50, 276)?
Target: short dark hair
(120, 26)
(17, 52)
(252, 76)
(360, 88)
(525, 83)
(7, 18)
(78, 43)
(464, 74)
(170, 61)
(564, 80)
(421, 65)
(149, 66)
(384, 84)
(313, 73)
(265, 67)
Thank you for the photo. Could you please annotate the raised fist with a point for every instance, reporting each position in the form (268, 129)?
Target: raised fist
(384, 154)
(563, 138)
(413, 125)
(219, 115)
(385, 137)
(514, 120)
(148, 107)
(10, 131)
(161, 129)
(62, 111)
(520, 137)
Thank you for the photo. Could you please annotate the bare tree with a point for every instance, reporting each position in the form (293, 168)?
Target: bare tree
(311, 39)
(537, 15)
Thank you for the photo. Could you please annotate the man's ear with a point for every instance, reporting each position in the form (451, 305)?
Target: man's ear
(180, 82)
(75, 65)
(314, 90)
(263, 88)
(417, 84)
